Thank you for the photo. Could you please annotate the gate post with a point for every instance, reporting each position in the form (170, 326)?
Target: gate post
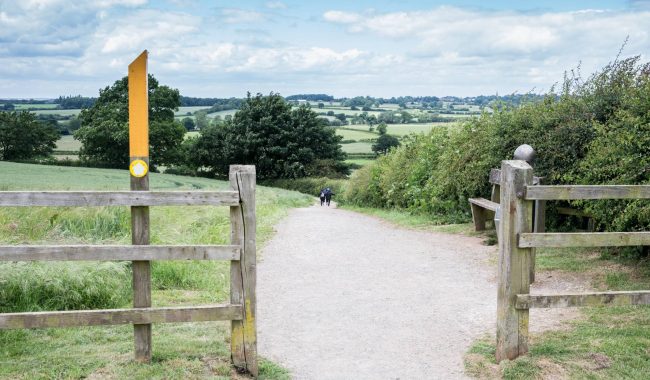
(514, 262)
(243, 275)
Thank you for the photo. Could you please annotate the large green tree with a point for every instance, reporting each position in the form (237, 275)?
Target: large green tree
(22, 136)
(104, 131)
(266, 132)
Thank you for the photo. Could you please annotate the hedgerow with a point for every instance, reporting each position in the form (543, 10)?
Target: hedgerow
(589, 131)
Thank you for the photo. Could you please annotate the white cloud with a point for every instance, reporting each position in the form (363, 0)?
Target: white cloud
(341, 17)
(239, 16)
(275, 5)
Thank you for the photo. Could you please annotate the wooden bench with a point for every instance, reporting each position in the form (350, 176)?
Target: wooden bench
(482, 208)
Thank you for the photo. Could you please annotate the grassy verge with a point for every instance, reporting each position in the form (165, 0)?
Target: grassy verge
(406, 219)
(181, 351)
(604, 343)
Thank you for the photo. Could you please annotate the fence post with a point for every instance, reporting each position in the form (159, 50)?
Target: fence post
(243, 275)
(514, 262)
(139, 155)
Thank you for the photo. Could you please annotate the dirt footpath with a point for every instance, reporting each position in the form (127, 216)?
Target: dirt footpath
(346, 296)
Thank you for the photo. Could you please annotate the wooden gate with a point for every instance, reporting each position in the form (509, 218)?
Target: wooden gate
(516, 242)
(241, 254)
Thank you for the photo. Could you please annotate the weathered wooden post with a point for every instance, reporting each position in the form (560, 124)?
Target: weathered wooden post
(139, 169)
(243, 275)
(514, 262)
(526, 153)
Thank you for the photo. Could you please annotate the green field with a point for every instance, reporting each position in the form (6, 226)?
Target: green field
(400, 129)
(222, 113)
(19, 107)
(359, 161)
(182, 111)
(68, 143)
(73, 112)
(358, 147)
(189, 350)
(357, 134)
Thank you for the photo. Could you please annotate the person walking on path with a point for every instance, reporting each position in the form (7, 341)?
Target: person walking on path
(322, 197)
(328, 196)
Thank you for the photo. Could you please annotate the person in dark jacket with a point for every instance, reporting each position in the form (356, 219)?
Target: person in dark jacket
(328, 196)
(322, 196)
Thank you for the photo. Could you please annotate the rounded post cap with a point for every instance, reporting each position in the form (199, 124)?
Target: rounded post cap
(526, 153)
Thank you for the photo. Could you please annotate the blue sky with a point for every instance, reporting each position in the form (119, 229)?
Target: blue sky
(344, 48)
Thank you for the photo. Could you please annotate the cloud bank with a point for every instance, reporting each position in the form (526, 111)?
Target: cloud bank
(54, 47)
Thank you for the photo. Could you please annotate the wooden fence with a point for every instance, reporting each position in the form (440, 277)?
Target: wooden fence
(516, 242)
(241, 254)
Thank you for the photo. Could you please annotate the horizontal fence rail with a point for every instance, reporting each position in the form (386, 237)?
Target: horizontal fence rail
(118, 198)
(584, 239)
(49, 319)
(626, 298)
(118, 252)
(571, 192)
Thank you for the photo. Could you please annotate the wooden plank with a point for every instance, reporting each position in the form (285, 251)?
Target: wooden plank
(140, 232)
(478, 216)
(584, 239)
(118, 252)
(484, 203)
(118, 198)
(243, 273)
(526, 301)
(569, 192)
(514, 262)
(48, 319)
(495, 177)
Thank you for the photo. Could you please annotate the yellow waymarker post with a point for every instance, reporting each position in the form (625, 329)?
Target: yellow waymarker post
(139, 169)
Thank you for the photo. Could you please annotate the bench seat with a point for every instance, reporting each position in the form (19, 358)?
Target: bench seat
(480, 208)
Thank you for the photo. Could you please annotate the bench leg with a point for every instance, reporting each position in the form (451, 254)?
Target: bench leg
(478, 215)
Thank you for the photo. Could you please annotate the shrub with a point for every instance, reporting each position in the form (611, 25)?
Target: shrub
(308, 185)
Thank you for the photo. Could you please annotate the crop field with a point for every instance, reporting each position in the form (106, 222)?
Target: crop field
(355, 134)
(401, 129)
(187, 350)
(19, 107)
(68, 143)
(182, 111)
(357, 147)
(73, 112)
(346, 111)
(222, 113)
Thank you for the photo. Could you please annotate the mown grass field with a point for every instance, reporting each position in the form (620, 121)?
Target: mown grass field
(181, 351)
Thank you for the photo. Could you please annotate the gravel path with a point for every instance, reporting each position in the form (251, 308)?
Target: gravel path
(347, 296)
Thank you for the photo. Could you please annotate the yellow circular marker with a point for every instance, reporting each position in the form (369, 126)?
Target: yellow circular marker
(138, 168)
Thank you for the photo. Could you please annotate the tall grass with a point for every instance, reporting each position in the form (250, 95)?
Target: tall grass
(74, 285)
(61, 286)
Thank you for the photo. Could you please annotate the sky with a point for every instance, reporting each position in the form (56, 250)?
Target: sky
(342, 48)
